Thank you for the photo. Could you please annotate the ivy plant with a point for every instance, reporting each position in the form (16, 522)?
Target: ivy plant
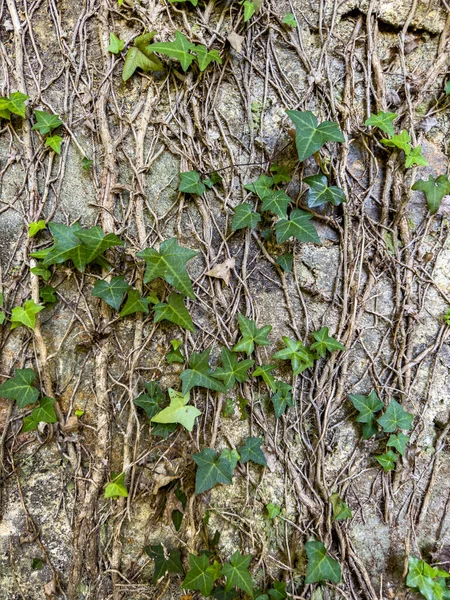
(140, 56)
(434, 189)
(320, 567)
(310, 136)
(178, 411)
(186, 52)
(429, 581)
(13, 104)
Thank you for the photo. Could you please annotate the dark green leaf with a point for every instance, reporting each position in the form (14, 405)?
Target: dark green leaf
(251, 335)
(300, 356)
(135, 303)
(140, 56)
(282, 398)
(298, 226)
(232, 370)
(278, 591)
(252, 451)
(281, 174)
(387, 460)
(383, 120)
(111, 292)
(265, 371)
(324, 342)
(40, 271)
(221, 593)
(277, 202)
(212, 469)
(395, 417)
(96, 242)
(310, 136)
(20, 388)
(174, 311)
(86, 163)
(45, 412)
(191, 183)
(37, 564)
(398, 441)
(434, 190)
(285, 261)
(340, 509)
(319, 193)
(262, 187)
(321, 567)
(237, 574)
(200, 374)
(178, 49)
(165, 561)
(152, 400)
(48, 294)
(175, 354)
(244, 217)
(367, 406)
(163, 430)
(65, 242)
(45, 122)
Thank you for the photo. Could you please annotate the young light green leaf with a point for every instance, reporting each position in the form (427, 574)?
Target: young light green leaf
(324, 342)
(265, 371)
(252, 451)
(135, 303)
(289, 19)
(319, 193)
(212, 469)
(45, 122)
(178, 49)
(175, 354)
(26, 314)
(285, 261)
(177, 411)
(249, 10)
(232, 370)
(20, 388)
(116, 45)
(54, 142)
(282, 399)
(401, 141)
(237, 574)
(116, 487)
(41, 271)
(298, 226)
(398, 441)
(251, 335)
(340, 509)
(200, 374)
(387, 460)
(201, 575)
(174, 311)
(140, 56)
(310, 136)
(5, 113)
(383, 120)
(34, 228)
(244, 217)
(434, 190)
(48, 294)
(205, 57)
(301, 358)
(169, 264)
(415, 158)
(273, 510)
(395, 417)
(165, 561)
(112, 292)
(191, 183)
(321, 567)
(16, 103)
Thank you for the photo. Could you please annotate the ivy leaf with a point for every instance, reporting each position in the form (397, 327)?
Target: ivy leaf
(178, 49)
(232, 370)
(212, 469)
(277, 202)
(285, 261)
(200, 374)
(383, 120)
(16, 103)
(281, 174)
(321, 567)
(249, 10)
(367, 406)
(169, 264)
(319, 193)
(34, 228)
(416, 158)
(86, 163)
(26, 314)
(5, 113)
(324, 342)
(45, 122)
(252, 451)
(282, 398)
(111, 292)
(265, 371)
(116, 487)
(244, 217)
(65, 242)
(140, 56)
(97, 242)
(387, 460)
(251, 335)
(135, 303)
(221, 593)
(54, 142)
(115, 44)
(175, 354)
(395, 417)
(191, 183)
(212, 180)
(290, 20)
(201, 575)
(262, 187)
(44, 413)
(237, 574)
(447, 87)
(310, 136)
(41, 271)
(205, 57)
(300, 356)
(398, 442)
(151, 401)
(273, 510)
(340, 509)
(298, 226)
(48, 294)
(174, 311)
(421, 577)
(165, 561)
(193, 2)
(434, 190)
(20, 388)
(278, 591)
(163, 430)
(177, 411)
(29, 424)
(401, 141)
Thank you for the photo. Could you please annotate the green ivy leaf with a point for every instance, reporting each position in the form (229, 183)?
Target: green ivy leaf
(252, 451)
(398, 441)
(20, 388)
(34, 228)
(319, 193)
(151, 401)
(45, 122)
(48, 294)
(177, 411)
(169, 264)
(298, 226)
(41, 271)
(212, 469)
(221, 593)
(262, 187)
(193, 2)
(205, 57)
(340, 509)
(401, 141)
(65, 242)
(212, 180)
(174, 311)
(44, 413)
(237, 574)
(163, 430)
(191, 183)
(249, 10)
(175, 354)
(387, 460)
(282, 399)
(324, 342)
(421, 577)
(367, 406)
(112, 292)
(201, 575)
(278, 591)
(200, 374)
(232, 370)
(251, 335)
(16, 103)
(281, 174)
(395, 417)
(321, 567)
(116, 45)
(96, 242)
(286, 261)
(86, 163)
(416, 158)
(165, 561)
(383, 120)
(141, 56)
(178, 49)
(135, 303)
(54, 142)
(29, 424)
(290, 20)
(434, 190)
(244, 217)
(301, 358)
(265, 371)
(116, 487)
(447, 87)
(26, 314)
(273, 510)
(310, 136)
(277, 202)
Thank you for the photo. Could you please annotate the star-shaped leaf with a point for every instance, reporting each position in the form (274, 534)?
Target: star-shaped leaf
(237, 574)
(289, 19)
(298, 226)
(16, 103)
(415, 158)
(135, 303)
(232, 370)
(277, 202)
(178, 49)
(139, 56)
(434, 190)
(310, 136)
(262, 187)
(252, 451)
(395, 417)
(48, 294)
(244, 217)
(34, 228)
(321, 567)
(116, 45)
(174, 311)
(20, 388)
(278, 591)
(282, 398)
(265, 371)
(41, 271)
(191, 183)
(54, 142)
(97, 242)
(177, 411)
(251, 335)
(200, 374)
(324, 342)
(398, 441)
(401, 141)
(169, 264)
(175, 355)
(201, 575)
(112, 292)
(367, 406)
(44, 413)
(45, 121)
(387, 460)
(319, 193)
(301, 358)
(152, 400)
(383, 120)
(65, 241)
(205, 57)
(285, 261)
(116, 487)
(26, 314)
(340, 509)
(212, 469)
(166, 561)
